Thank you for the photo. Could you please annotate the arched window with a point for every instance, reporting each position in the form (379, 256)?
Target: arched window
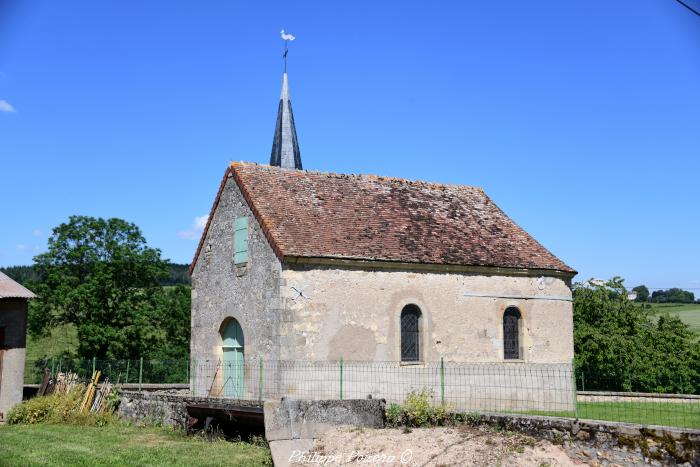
(511, 334)
(410, 333)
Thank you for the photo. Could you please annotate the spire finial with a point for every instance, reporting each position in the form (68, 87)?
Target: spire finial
(286, 38)
(285, 146)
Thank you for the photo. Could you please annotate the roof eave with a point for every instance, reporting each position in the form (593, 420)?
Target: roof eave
(427, 267)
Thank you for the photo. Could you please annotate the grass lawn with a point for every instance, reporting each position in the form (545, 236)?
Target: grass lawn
(687, 312)
(646, 413)
(119, 445)
(681, 415)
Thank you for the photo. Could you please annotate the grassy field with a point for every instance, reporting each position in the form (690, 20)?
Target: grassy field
(687, 312)
(679, 415)
(645, 413)
(119, 445)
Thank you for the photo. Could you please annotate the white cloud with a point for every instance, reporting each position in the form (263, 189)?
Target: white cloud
(6, 106)
(36, 232)
(195, 231)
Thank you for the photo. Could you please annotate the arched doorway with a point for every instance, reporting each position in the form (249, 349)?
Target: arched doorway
(233, 344)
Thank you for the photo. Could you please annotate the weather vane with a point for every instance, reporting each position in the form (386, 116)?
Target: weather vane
(286, 38)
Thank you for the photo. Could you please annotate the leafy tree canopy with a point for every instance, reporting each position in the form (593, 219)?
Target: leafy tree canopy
(101, 275)
(672, 296)
(642, 293)
(618, 347)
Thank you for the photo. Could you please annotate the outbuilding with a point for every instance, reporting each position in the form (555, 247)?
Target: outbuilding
(13, 338)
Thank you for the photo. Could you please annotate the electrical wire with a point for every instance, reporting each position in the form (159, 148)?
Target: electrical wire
(689, 7)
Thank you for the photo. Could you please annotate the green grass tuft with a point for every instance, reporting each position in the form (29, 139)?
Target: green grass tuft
(119, 445)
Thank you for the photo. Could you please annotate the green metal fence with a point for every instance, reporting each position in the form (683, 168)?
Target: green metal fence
(535, 389)
(145, 371)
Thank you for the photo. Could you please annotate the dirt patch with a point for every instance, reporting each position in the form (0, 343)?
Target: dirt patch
(444, 446)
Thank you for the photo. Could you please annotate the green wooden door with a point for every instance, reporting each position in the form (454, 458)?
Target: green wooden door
(233, 360)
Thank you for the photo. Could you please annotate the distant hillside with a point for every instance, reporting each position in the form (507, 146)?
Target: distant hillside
(21, 274)
(27, 274)
(178, 275)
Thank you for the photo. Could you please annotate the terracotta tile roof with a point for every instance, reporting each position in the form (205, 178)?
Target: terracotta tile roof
(11, 289)
(366, 217)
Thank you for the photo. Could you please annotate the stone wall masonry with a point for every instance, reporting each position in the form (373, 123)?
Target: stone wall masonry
(300, 419)
(222, 290)
(153, 408)
(668, 445)
(291, 426)
(355, 314)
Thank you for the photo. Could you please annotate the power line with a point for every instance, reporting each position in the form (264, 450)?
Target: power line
(689, 7)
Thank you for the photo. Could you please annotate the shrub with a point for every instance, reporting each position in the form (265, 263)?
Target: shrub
(394, 415)
(417, 411)
(57, 408)
(417, 407)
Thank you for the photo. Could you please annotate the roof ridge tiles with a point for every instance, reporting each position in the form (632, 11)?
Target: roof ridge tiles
(383, 178)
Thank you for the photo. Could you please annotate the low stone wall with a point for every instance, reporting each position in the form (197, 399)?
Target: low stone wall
(168, 409)
(291, 426)
(295, 419)
(664, 444)
(601, 396)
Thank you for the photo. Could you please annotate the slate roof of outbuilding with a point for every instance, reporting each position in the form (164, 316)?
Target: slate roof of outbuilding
(11, 289)
(366, 217)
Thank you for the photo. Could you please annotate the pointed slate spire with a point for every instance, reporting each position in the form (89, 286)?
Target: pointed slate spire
(285, 147)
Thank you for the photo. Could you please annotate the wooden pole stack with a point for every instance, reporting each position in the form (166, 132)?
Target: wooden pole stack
(90, 393)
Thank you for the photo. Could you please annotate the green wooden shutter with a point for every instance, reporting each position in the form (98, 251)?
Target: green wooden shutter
(240, 241)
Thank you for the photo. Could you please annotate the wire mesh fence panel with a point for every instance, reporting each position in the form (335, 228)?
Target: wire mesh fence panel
(117, 371)
(506, 387)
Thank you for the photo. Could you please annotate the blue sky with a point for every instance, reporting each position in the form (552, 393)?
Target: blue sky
(580, 119)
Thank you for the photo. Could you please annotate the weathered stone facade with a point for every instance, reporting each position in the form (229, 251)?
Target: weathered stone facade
(221, 290)
(355, 314)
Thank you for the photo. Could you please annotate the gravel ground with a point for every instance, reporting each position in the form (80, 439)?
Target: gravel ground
(456, 446)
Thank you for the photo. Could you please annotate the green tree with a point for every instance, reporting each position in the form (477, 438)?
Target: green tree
(642, 293)
(100, 275)
(674, 295)
(617, 346)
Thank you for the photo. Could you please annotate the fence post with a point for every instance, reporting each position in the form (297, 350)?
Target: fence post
(193, 379)
(52, 366)
(573, 372)
(341, 378)
(442, 380)
(126, 380)
(260, 381)
(93, 365)
(140, 373)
